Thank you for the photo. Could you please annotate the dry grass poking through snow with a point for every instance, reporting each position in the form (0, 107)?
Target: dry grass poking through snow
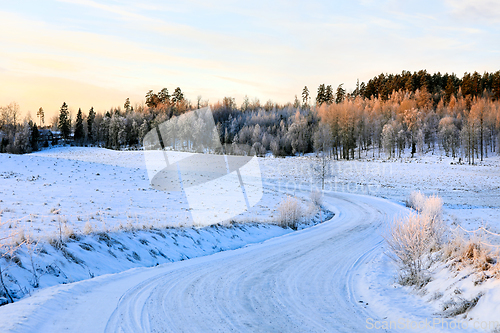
(474, 252)
(414, 239)
(422, 242)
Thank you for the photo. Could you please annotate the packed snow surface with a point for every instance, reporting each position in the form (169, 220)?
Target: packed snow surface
(330, 277)
(306, 281)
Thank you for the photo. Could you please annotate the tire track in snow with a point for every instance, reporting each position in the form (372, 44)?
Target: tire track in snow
(300, 282)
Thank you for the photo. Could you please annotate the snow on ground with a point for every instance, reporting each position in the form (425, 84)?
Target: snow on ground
(467, 185)
(104, 188)
(300, 282)
(67, 188)
(91, 211)
(86, 256)
(471, 195)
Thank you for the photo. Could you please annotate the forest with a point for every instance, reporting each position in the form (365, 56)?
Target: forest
(390, 114)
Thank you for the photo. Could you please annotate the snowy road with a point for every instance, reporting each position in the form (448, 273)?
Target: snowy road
(301, 282)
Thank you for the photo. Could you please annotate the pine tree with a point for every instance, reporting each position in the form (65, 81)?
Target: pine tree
(329, 94)
(152, 99)
(321, 97)
(40, 114)
(178, 96)
(64, 124)
(164, 96)
(126, 106)
(340, 94)
(79, 133)
(177, 100)
(450, 89)
(305, 96)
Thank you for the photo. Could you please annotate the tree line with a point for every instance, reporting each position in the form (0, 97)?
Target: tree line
(390, 114)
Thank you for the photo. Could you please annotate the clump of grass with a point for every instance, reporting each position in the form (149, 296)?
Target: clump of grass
(473, 252)
(88, 229)
(459, 306)
(418, 239)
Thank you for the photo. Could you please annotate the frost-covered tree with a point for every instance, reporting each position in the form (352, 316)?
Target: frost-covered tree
(449, 135)
(322, 138)
(388, 139)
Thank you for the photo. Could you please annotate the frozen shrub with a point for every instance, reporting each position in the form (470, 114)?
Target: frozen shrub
(316, 197)
(433, 207)
(416, 201)
(413, 238)
(430, 209)
(290, 212)
(408, 242)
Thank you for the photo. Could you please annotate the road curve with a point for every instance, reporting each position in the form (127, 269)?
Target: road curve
(296, 283)
(300, 282)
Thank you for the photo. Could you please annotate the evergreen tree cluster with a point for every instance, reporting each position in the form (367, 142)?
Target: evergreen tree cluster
(440, 86)
(389, 115)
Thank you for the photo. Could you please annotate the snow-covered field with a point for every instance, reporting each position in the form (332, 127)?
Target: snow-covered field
(100, 188)
(85, 212)
(471, 193)
(92, 192)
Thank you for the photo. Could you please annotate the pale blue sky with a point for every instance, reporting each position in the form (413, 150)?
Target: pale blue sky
(97, 53)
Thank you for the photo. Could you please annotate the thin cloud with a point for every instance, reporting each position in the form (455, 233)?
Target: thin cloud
(477, 10)
(226, 48)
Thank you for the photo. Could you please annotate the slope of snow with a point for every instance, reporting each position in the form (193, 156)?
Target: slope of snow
(302, 281)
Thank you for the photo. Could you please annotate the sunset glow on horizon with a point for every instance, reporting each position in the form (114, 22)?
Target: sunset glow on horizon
(98, 53)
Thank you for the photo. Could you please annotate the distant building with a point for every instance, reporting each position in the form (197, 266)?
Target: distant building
(46, 135)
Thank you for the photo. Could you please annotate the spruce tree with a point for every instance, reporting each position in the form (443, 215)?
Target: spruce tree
(90, 122)
(79, 126)
(64, 121)
(126, 105)
(35, 135)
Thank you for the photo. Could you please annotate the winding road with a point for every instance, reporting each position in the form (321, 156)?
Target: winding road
(304, 281)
